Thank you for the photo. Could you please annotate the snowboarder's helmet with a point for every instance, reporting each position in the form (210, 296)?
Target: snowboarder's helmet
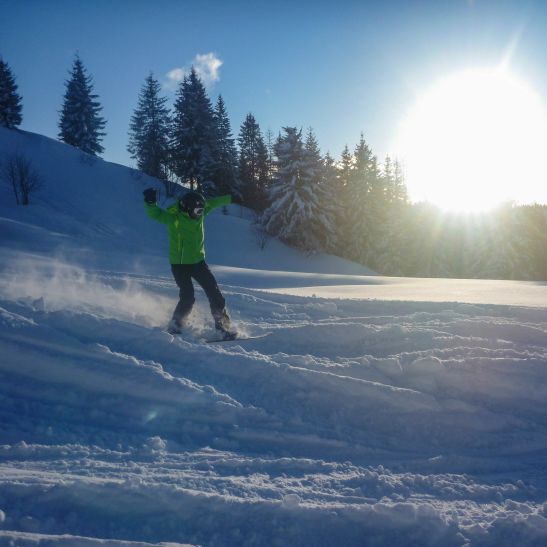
(192, 203)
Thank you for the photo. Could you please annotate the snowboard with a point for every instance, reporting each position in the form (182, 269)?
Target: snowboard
(237, 338)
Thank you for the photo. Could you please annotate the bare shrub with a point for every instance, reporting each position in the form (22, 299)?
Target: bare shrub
(19, 172)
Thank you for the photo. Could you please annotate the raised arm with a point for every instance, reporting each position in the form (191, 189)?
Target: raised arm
(152, 210)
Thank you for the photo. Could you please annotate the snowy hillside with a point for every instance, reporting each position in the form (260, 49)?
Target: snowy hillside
(91, 211)
(377, 412)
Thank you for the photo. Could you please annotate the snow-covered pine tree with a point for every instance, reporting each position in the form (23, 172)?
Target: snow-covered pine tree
(149, 131)
(226, 176)
(333, 201)
(294, 195)
(194, 135)
(322, 224)
(10, 100)
(80, 123)
(287, 212)
(253, 164)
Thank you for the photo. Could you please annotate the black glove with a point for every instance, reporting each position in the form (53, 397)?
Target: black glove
(150, 195)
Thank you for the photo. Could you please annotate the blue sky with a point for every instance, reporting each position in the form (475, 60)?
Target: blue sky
(341, 67)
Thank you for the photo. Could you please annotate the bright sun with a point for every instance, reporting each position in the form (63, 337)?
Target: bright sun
(474, 140)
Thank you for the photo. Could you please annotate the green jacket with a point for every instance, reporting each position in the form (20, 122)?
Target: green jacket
(186, 235)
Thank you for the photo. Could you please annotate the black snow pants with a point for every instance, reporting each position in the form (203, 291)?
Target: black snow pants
(184, 273)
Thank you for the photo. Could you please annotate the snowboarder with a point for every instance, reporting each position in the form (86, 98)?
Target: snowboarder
(184, 222)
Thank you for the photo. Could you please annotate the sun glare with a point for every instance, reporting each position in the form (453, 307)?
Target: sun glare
(474, 140)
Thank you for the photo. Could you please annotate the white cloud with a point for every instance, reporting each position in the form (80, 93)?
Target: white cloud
(207, 66)
(174, 77)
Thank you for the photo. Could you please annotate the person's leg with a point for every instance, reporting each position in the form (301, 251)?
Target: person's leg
(183, 278)
(203, 275)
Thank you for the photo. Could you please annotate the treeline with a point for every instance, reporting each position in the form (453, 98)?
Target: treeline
(353, 206)
(509, 242)
(307, 199)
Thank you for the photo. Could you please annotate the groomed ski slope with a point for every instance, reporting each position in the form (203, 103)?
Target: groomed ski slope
(361, 420)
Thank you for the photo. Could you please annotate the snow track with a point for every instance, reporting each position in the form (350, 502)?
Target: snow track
(405, 424)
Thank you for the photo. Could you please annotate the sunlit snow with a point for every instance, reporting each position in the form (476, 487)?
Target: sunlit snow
(379, 411)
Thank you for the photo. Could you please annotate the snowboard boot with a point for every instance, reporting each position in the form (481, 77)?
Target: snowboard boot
(175, 327)
(224, 326)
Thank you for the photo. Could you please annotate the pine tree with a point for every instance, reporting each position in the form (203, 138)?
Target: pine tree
(287, 213)
(362, 197)
(333, 203)
(376, 215)
(388, 180)
(344, 222)
(400, 192)
(253, 164)
(357, 177)
(194, 135)
(394, 238)
(346, 168)
(226, 176)
(313, 165)
(270, 142)
(10, 101)
(149, 131)
(295, 209)
(80, 124)
(363, 173)
(321, 224)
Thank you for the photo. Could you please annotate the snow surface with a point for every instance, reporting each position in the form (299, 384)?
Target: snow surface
(379, 412)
